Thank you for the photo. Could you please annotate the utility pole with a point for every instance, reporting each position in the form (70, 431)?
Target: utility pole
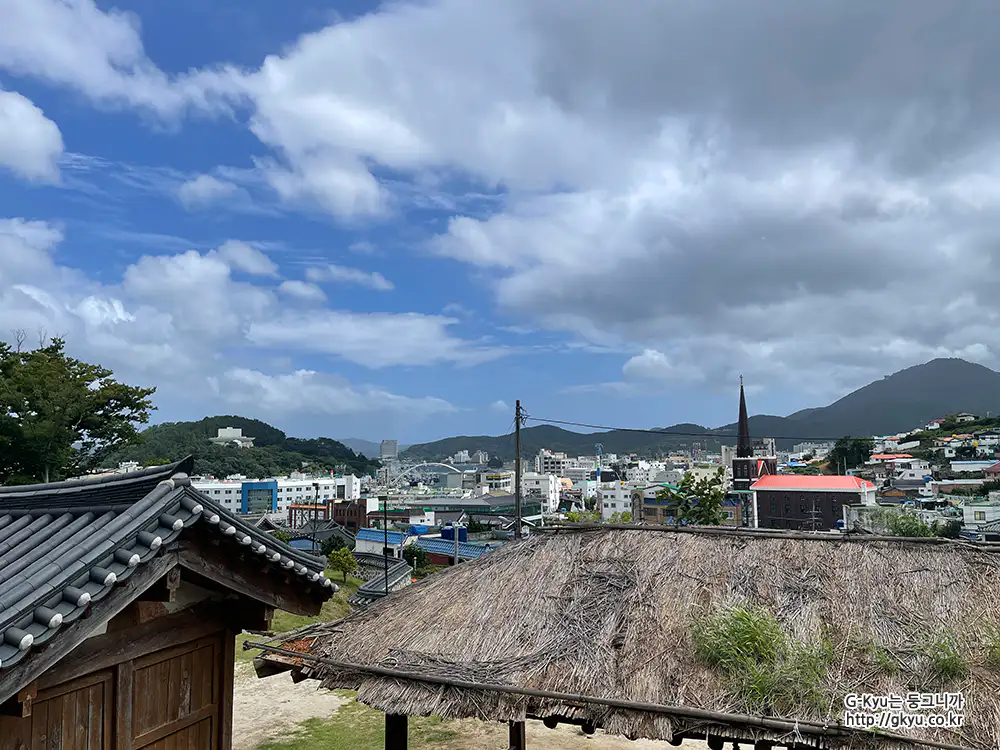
(517, 469)
(385, 548)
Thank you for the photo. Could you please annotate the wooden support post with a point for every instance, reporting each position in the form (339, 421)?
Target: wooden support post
(515, 733)
(395, 731)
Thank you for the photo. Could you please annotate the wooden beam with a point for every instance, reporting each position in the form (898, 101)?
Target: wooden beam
(395, 732)
(165, 589)
(124, 675)
(516, 736)
(69, 637)
(227, 661)
(221, 566)
(104, 651)
(19, 706)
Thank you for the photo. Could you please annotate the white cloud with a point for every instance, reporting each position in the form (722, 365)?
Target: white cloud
(312, 392)
(74, 43)
(246, 258)
(30, 143)
(302, 290)
(363, 247)
(182, 322)
(331, 272)
(500, 406)
(206, 190)
(653, 366)
(372, 339)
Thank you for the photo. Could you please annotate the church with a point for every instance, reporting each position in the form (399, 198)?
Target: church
(752, 460)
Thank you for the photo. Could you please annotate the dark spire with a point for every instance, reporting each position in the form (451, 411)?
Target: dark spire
(744, 448)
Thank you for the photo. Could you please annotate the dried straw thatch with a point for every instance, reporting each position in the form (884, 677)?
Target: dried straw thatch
(623, 614)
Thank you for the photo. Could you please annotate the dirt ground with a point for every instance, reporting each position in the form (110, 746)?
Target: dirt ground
(288, 704)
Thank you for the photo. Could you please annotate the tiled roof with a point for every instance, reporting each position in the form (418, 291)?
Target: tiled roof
(469, 550)
(66, 545)
(808, 482)
(378, 535)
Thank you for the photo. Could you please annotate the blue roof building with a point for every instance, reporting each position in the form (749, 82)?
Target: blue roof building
(466, 550)
(394, 538)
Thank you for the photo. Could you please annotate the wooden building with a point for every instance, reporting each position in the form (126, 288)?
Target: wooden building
(120, 601)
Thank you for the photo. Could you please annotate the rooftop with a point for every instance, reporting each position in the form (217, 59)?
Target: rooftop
(809, 482)
(612, 636)
(66, 546)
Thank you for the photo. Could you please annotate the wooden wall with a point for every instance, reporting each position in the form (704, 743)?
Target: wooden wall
(155, 684)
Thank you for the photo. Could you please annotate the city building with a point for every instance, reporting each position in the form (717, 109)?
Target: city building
(612, 498)
(480, 457)
(389, 450)
(549, 462)
(814, 503)
(543, 488)
(232, 436)
(241, 495)
(462, 457)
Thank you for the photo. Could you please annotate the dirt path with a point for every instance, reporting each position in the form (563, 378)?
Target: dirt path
(267, 708)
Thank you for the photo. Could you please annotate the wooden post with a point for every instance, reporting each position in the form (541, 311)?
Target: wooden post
(395, 732)
(515, 733)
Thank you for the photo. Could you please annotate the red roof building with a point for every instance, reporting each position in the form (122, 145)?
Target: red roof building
(804, 502)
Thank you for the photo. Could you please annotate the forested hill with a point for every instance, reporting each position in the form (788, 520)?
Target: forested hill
(273, 454)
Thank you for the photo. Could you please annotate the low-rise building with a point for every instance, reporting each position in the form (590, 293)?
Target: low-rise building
(382, 542)
(232, 436)
(792, 501)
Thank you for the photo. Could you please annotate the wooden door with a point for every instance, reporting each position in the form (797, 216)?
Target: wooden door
(73, 716)
(176, 697)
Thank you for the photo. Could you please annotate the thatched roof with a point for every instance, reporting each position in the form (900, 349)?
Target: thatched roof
(630, 614)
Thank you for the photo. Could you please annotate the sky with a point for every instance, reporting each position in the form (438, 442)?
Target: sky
(391, 221)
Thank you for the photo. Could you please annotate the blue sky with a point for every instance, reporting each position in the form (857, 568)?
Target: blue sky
(394, 221)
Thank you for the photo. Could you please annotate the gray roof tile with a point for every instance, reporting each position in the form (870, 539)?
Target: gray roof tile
(66, 545)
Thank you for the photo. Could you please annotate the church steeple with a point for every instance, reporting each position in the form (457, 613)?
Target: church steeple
(743, 473)
(744, 446)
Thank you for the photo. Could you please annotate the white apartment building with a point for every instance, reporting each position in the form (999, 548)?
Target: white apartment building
(549, 462)
(480, 457)
(975, 515)
(543, 486)
(462, 457)
(644, 471)
(614, 497)
(295, 489)
(232, 436)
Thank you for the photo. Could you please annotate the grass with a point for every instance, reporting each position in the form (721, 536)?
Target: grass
(944, 660)
(335, 608)
(358, 727)
(766, 671)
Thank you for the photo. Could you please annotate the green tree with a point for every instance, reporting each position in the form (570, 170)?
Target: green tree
(415, 556)
(343, 561)
(624, 517)
(850, 453)
(495, 462)
(60, 416)
(949, 529)
(696, 501)
(331, 543)
(282, 535)
(586, 516)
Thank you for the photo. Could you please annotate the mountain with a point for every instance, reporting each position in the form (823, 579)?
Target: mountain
(899, 402)
(273, 454)
(366, 447)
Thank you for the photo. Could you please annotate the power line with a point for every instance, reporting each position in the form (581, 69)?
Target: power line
(665, 433)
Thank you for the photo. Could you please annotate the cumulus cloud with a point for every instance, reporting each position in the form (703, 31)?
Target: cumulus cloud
(100, 53)
(247, 258)
(372, 339)
(187, 324)
(302, 290)
(30, 143)
(500, 406)
(205, 190)
(332, 272)
(309, 391)
(804, 191)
